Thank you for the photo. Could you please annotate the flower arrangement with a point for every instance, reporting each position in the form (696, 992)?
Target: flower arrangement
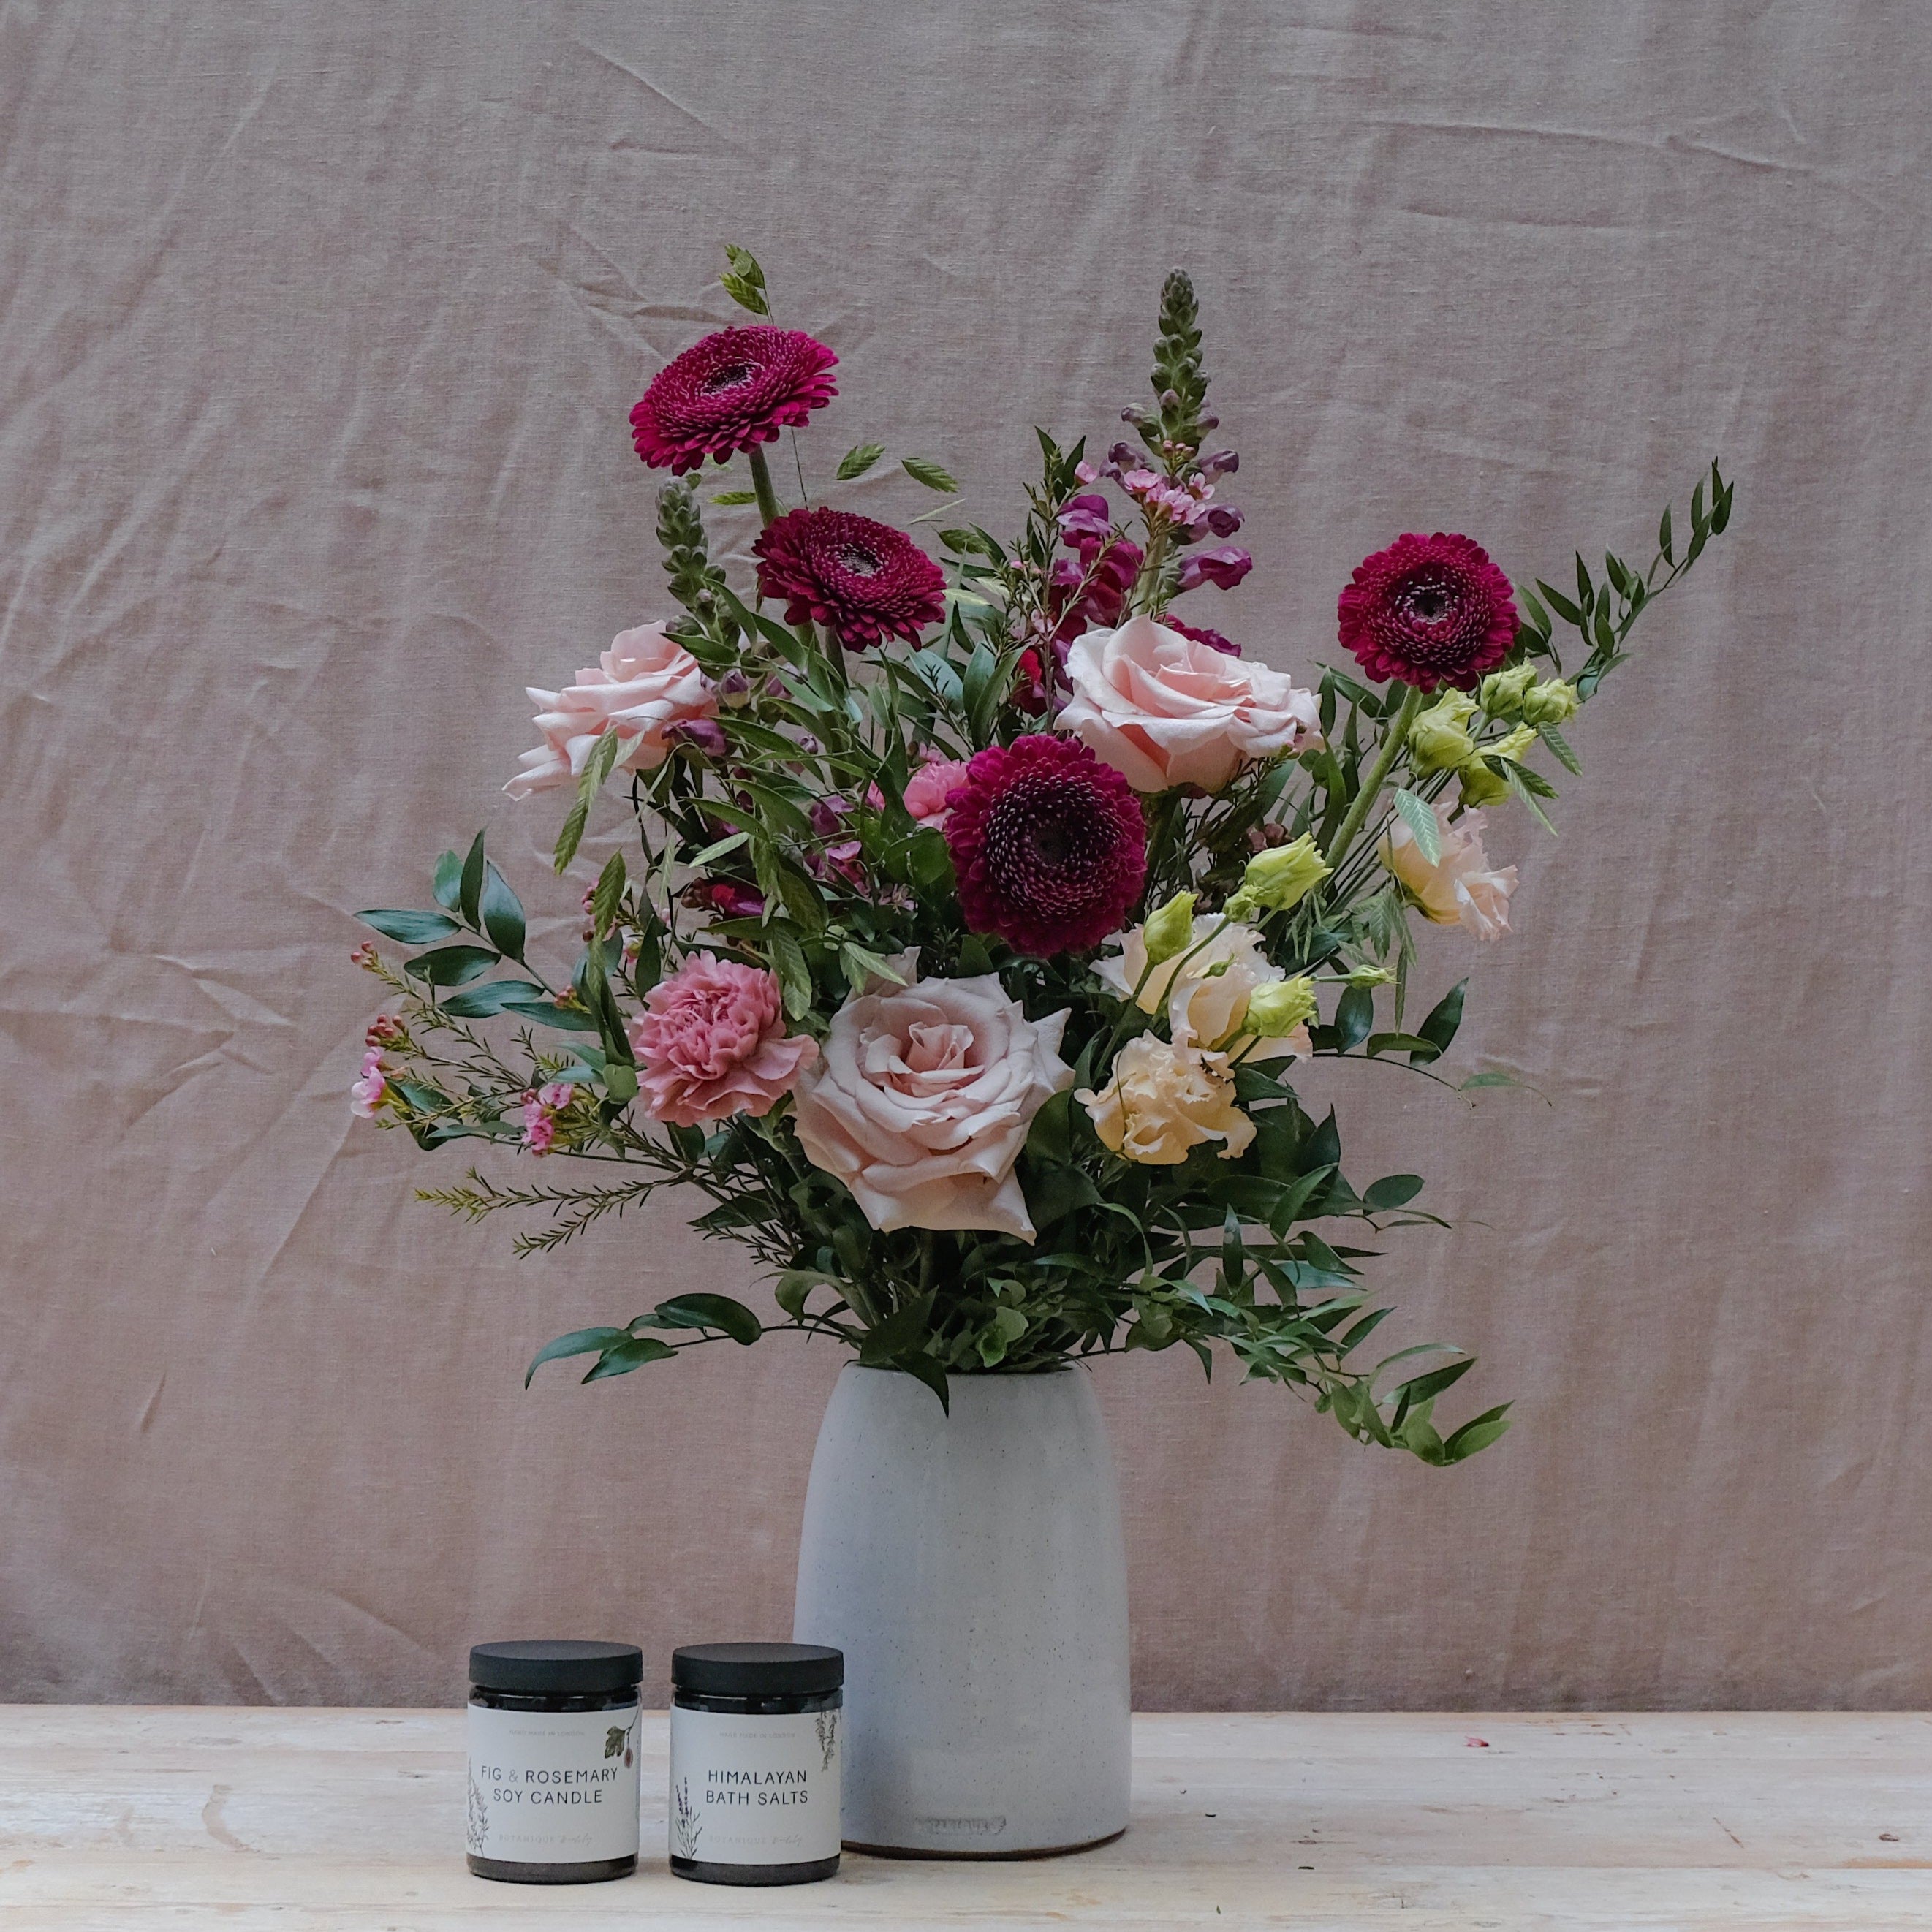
(981, 915)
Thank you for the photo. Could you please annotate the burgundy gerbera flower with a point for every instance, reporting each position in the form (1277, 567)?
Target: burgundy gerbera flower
(863, 581)
(1049, 844)
(730, 391)
(1429, 610)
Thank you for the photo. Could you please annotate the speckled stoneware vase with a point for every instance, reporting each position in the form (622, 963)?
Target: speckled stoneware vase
(971, 1569)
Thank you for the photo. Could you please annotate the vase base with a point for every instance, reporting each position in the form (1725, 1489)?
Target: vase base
(983, 1858)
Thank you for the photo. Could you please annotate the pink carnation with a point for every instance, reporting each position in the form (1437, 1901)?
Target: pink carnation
(929, 788)
(713, 1043)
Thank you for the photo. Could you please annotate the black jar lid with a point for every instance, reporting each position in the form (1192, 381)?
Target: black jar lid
(757, 1669)
(556, 1667)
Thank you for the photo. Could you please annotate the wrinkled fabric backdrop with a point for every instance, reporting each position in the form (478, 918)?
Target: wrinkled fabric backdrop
(319, 328)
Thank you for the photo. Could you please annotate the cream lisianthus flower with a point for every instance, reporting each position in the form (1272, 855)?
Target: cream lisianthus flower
(1459, 888)
(1163, 1100)
(1205, 987)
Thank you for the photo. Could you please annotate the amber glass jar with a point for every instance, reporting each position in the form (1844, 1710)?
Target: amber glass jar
(554, 1761)
(755, 1763)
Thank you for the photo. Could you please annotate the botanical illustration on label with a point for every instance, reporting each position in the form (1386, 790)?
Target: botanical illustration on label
(753, 1790)
(553, 1787)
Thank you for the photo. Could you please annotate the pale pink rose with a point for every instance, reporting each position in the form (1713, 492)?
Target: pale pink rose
(1460, 888)
(645, 684)
(365, 1094)
(927, 790)
(1165, 709)
(922, 1101)
(713, 1043)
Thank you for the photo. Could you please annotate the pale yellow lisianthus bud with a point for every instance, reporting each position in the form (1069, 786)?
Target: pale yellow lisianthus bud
(1283, 876)
(1437, 740)
(1482, 786)
(1501, 692)
(1169, 930)
(1555, 703)
(1281, 1006)
(1512, 745)
(1164, 1100)
(1368, 975)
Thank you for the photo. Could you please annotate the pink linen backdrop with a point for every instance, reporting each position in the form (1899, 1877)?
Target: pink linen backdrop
(319, 326)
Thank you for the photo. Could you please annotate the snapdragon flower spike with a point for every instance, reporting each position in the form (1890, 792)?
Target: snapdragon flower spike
(1224, 568)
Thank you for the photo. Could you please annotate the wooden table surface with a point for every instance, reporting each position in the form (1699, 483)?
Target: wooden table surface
(116, 1817)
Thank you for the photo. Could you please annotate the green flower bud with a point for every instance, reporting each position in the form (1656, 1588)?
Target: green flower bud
(1368, 975)
(1242, 908)
(1283, 876)
(1481, 785)
(1171, 930)
(1501, 692)
(1437, 740)
(1555, 703)
(1512, 745)
(1277, 1006)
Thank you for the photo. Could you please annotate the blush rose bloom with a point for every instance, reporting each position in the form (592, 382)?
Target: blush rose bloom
(1205, 987)
(1164, 709)
(1460, 888)
(712, 1043)
(921, 1102)
(927, 790)
(1164, 1100)
(645, 683)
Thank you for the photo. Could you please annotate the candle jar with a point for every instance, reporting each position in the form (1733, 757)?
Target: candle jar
(554, 1761)
(755, 1763)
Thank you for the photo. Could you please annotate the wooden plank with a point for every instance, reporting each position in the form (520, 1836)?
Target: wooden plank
(113, 1818)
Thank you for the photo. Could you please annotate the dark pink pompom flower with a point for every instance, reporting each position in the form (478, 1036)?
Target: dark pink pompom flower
(863, 581)
(730, 392)
(1429, 610)
(1049, 844)
(1225, 567)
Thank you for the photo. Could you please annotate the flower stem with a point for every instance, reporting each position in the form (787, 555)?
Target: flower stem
(1372, 784)
(761, 486)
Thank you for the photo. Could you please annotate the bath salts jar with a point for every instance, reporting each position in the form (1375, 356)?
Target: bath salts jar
(554, 1761)
(755, 1763)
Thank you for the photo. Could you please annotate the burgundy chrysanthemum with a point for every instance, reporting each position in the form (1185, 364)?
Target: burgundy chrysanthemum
(1429, 610)
(1048, 843)
(733, 390)
(863, 581)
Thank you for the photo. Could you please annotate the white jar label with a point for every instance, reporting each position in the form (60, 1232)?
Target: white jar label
(553, 1787)
(753, 1790)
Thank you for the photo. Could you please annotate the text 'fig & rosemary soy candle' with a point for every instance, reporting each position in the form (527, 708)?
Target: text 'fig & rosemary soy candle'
(554, 1761)
(755, 1763)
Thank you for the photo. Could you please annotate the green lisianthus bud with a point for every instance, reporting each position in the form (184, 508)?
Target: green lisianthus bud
(1512, 745)
(1283, 876)
(1277, 1006)
(1501, 693)
(1368, 975)
(1438, 740)
(1481, 785)
(1171, 930)
(1242, 908)
(1554, 703)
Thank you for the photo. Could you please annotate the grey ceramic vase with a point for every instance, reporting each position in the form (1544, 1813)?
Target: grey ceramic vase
(970, 1567)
